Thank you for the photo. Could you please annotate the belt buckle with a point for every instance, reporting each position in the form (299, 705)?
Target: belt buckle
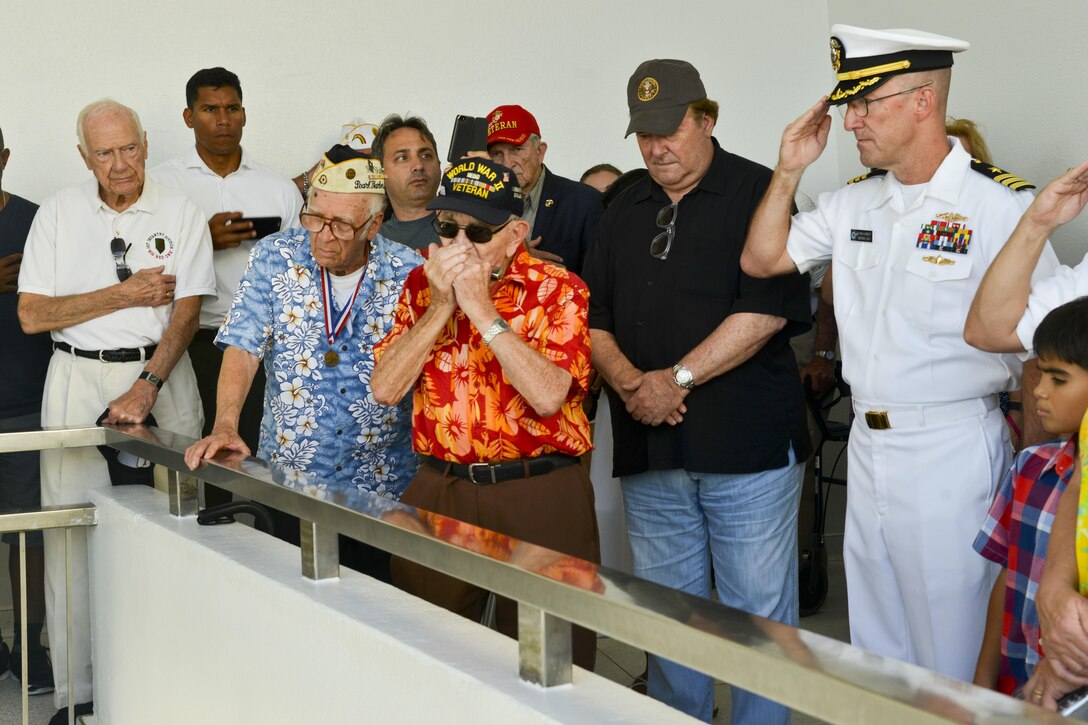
(101, 356)
(877, 419)
(472, 467)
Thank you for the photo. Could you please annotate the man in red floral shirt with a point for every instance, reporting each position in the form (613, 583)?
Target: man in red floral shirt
(496, 345)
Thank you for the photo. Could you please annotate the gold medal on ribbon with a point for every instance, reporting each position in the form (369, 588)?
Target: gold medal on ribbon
(332, 359)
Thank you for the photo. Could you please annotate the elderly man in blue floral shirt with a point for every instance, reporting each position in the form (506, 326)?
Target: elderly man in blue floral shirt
(311, 304)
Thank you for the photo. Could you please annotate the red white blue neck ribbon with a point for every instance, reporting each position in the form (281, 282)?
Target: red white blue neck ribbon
(331, 330)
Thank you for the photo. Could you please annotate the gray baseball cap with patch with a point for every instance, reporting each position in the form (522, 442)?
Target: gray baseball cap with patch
(659, 93)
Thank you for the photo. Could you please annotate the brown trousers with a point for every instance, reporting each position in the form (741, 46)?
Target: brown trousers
(555, 510)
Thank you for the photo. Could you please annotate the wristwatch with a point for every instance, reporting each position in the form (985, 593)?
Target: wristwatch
(683, 377)
(498, 327)
(152, 378)
(825, 354)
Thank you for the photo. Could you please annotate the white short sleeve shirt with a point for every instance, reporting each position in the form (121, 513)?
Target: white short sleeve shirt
(68, 253)
(1066, 285)
(254, 189)
(904, 279)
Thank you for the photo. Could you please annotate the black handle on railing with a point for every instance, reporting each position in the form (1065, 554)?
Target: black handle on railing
(224, 514)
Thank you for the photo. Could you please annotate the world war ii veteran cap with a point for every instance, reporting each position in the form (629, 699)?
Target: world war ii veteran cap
(659, 93)
(510, 124)
(481, 189)
(865, 59)
(343, 172)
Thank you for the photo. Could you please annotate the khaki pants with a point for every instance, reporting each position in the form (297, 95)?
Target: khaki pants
(77, 390)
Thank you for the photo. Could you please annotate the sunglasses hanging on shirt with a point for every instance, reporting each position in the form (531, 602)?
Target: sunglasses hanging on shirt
(662, 243)
(119, 248)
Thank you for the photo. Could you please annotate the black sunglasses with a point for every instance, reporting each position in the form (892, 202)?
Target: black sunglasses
(662, 243)
(120, 250)
(476, 233)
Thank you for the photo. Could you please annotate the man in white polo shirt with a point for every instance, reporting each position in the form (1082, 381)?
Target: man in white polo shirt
(230, 188)
(115, 269)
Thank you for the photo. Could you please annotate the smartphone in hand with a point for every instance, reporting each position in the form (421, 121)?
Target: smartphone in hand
(264, 225)
(469, 134)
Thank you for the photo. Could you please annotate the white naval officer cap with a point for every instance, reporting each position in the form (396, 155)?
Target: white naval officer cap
(864, 59)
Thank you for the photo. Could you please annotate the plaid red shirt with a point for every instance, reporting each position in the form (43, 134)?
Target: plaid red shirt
(1015, 535)
(464, 408)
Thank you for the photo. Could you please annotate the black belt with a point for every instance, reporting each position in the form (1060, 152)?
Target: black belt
(120, 355)
(487, 473)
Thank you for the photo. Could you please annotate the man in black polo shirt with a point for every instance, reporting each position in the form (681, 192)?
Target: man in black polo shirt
(707, 408)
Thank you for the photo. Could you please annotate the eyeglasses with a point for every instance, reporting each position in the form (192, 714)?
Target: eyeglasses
(343, 231)
(660, 245)
(860, 106)
(119, 249)
(476, 233)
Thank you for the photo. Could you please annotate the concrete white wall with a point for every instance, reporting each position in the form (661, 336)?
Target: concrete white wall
(308, 67)
(217, 625)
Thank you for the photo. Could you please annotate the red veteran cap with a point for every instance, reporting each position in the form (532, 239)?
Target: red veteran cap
(510, 124)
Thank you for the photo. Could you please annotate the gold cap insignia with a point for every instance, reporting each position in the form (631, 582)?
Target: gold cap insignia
(647, 89)
(836, 54)
(350, 173)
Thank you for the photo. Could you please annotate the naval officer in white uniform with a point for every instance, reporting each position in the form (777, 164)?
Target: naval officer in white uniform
(909, 244)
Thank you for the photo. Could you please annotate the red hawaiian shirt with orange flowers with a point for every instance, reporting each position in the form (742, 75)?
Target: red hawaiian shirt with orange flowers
(464, 408)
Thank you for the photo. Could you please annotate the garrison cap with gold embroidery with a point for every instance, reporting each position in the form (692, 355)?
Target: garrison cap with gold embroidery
(865, 59)
(659, 93)
(352, 175)
(480, 188)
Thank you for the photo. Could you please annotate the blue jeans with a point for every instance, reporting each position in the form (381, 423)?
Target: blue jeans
(677, 520)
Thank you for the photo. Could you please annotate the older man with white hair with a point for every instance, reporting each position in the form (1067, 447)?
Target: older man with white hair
(312, 304)
(114, 269)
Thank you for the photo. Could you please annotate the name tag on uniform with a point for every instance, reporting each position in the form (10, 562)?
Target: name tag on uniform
(861, 235)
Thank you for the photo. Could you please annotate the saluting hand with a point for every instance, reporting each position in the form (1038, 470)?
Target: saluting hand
(804, 140)
(1062, 199)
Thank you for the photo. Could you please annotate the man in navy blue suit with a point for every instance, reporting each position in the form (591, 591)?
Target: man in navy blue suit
(562, 213)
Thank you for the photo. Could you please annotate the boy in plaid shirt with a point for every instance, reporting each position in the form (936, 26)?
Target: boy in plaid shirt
(1017, 528)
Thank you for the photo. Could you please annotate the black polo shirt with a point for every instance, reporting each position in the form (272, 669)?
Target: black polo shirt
(744, 420)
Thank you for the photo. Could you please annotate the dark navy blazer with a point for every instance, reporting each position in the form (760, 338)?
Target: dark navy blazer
(567, 219)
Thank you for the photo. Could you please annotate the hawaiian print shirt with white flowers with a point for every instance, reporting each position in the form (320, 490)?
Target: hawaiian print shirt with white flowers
(322, 420)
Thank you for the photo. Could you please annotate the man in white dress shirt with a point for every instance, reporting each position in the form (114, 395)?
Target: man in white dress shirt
(230, 188)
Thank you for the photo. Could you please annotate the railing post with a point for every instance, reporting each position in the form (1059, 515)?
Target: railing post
(320, 551)
(544, 647)
(25, 649)
(183, 493)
